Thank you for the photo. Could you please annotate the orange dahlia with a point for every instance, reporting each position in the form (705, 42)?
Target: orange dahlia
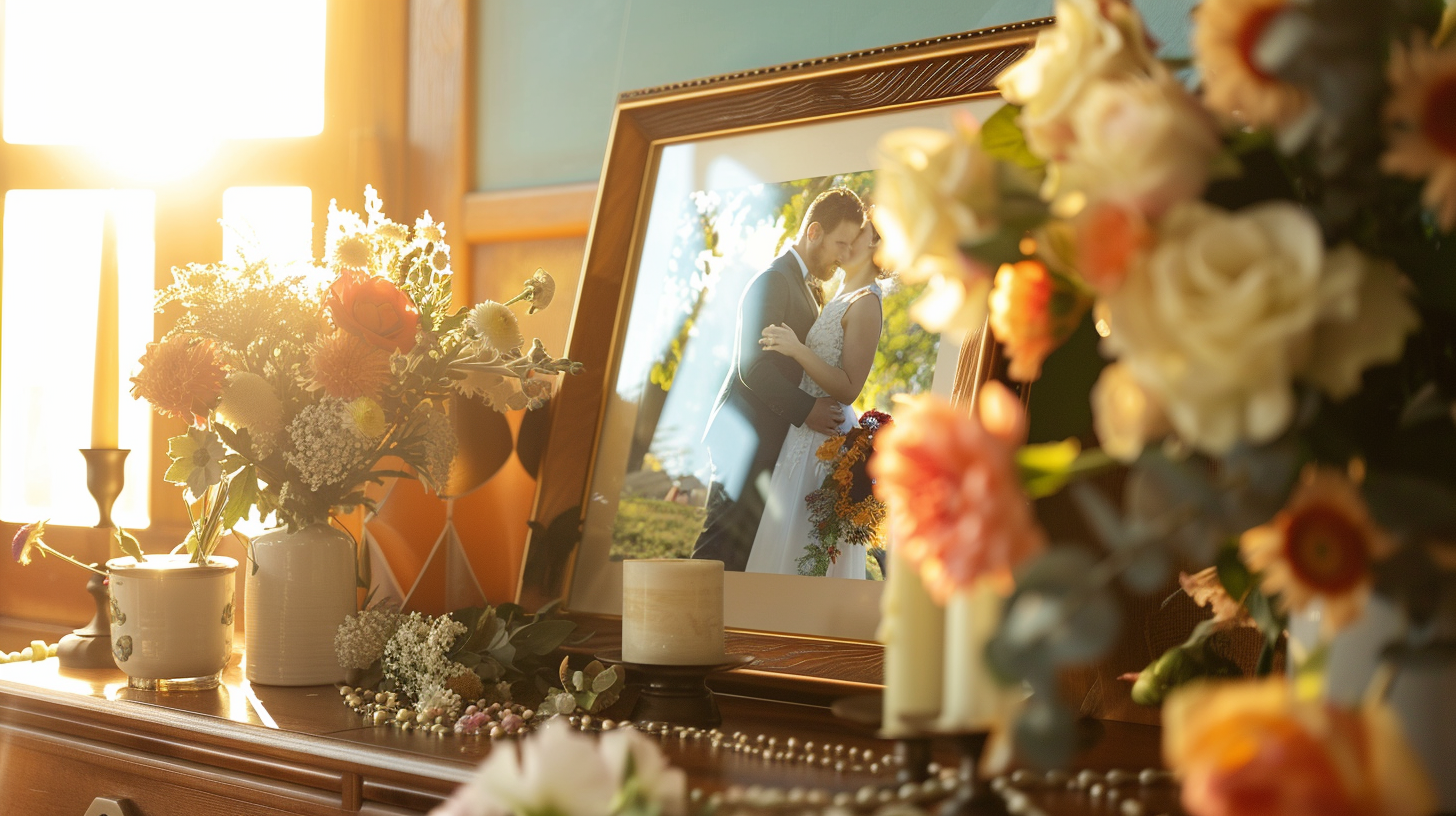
(1236, 86)
(181, 377)
(1321, 545)
(1420, 121)
(950, 482)
(348, 367)
(1032, 312)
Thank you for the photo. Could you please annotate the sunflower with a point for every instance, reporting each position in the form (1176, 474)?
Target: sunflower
(348, 367)
(181, 377)
(1420, 122)
(1321, 545)
(1226, 40)
(353, 253)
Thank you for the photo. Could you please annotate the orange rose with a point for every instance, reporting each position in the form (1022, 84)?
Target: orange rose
(1253, 748)
(374, 309)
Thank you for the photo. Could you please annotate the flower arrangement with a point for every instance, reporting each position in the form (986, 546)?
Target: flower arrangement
(1267, 259)
(844, 509)
(303, 383)
(449, 667)
(560, 772)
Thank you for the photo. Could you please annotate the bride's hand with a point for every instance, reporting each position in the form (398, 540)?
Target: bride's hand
(782, 339)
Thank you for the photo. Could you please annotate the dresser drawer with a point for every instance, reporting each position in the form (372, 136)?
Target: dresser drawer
(42, 773)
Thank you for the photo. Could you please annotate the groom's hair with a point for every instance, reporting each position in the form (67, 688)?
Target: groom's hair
(832, 208)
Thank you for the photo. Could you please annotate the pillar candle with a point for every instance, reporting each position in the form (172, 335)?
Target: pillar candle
(973, 699)
(912, 627)
(672, 611)
(107, 378)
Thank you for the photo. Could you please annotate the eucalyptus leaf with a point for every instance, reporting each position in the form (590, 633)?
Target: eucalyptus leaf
(578, 680)
(1147, 570)
(1046, 733)
(542, 637)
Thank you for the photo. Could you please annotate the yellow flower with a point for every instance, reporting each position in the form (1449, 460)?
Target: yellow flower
(1420, 122)
(1321, 545)
(1252, 748)
(248, 401)
(1234, 86)
(368, 417)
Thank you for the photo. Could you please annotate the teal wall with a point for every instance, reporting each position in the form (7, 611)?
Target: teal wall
(550, 70)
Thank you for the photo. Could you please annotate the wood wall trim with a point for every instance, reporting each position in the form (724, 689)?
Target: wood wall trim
(557, 211)
(441, 132)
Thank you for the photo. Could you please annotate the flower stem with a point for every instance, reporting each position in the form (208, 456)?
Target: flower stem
(57, 553)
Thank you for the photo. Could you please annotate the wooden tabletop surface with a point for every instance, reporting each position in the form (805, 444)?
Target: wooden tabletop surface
(317, 711)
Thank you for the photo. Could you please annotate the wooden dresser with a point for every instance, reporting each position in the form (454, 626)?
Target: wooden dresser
(68, 738)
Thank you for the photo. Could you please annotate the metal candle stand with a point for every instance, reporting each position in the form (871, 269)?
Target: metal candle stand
(676, 694)
(972, 797)
(90, 646)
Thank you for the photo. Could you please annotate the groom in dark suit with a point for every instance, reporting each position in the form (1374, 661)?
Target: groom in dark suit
(760, 397)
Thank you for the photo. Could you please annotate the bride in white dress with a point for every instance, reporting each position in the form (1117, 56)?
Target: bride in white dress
(836, 356)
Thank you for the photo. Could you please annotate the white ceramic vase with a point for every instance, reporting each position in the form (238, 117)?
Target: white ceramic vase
(171, 620)
(301, 591)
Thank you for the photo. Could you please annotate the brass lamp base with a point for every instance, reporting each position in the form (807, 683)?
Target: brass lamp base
(90, 646)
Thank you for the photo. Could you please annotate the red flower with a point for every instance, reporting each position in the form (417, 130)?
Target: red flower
(374, 309)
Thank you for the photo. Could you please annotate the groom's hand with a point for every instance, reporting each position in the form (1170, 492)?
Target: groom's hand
(825, 416)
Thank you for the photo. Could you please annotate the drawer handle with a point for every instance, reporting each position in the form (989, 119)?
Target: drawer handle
(101, 806)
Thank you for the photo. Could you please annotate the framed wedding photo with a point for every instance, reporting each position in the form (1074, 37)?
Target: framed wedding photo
(706, 184)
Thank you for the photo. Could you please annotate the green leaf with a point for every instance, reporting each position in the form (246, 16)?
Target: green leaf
(998, 248)
(1235, 577)
(1046, 468)
(128, 543)
(604, 681)
(242, 495)
(178, 471)
(1002, 138)
(542, 637)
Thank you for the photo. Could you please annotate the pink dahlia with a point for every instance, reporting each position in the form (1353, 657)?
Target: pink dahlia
(949, 478)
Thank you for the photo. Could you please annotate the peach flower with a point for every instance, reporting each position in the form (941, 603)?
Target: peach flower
(347, 367)
(1323, 545)
(955, 498)
(1125, 416)
(1033, 311)
(1252, 748)
(1110, 237)
(181, 377)
(374, 309)
(1234, 84)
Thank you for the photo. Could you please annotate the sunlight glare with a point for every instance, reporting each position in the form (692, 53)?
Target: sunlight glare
(48, 295)
(155, 85)
(271, 222)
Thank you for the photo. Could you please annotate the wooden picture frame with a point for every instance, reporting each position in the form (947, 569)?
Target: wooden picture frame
(953, 68)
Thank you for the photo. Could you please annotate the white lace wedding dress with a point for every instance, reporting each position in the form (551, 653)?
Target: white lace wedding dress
(784, 530)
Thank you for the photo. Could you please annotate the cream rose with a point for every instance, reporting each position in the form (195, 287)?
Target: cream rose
(1091, 40)
(1219, 318)
(1140, 141)
(1124, 415)
(934, 191)
(1369, 328)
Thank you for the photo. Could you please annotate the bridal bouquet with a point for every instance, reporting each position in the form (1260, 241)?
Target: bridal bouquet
(302, 383)
(1264, 246)
(844, 510)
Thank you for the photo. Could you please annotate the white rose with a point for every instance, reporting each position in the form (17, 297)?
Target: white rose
(1220, 317)
(660, 783)
(1139, 141)
(929, 186)
(1124, 415)
(1369, 329)
(559, 772)
(1091, 40)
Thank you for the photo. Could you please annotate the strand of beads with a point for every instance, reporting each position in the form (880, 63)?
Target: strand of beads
(389, 708)
(1117, 788)
(37, 651)
(837, 757)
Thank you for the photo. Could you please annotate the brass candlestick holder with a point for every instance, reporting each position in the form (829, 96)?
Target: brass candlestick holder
(105, 476)
(90, 646)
